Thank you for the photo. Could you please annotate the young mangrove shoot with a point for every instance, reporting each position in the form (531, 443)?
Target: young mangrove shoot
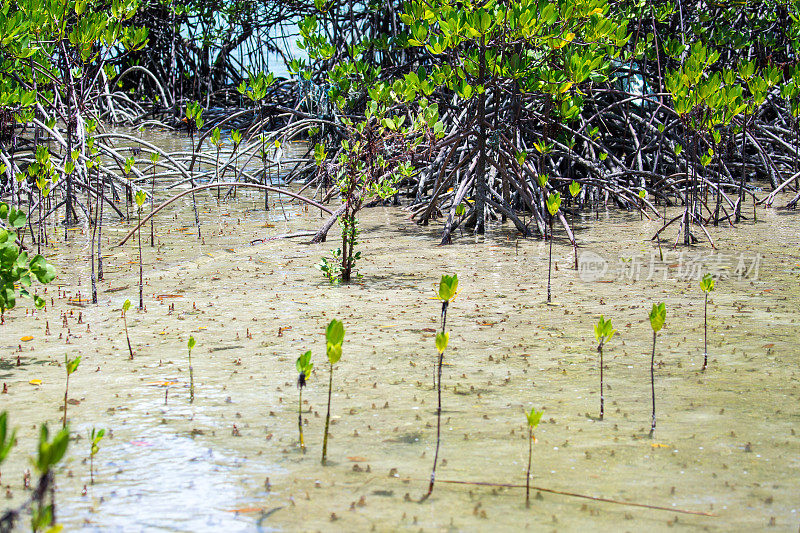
(553, 204)
(304, 367)
(140, 198)
(603, 331)
(657, 317)
(334, 336)
(72, 366)
(448, 288)
(154, 157)
(125, 307)
(95, 437)
(50, 454)
(191, 345)
(574, 191)
(533, 420)
(707, 285)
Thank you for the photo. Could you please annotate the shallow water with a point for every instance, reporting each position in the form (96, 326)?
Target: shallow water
(725, 442)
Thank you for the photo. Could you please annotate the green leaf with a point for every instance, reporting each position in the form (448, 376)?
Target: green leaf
(603, 330)
(707, 283)
(191, 344)
(334, 333)
(16, 218)
(126, 306)
(553, 203)
(72, 365)
(448, 287)
(303, 363)
(574, 188)
(657, 316)
(442, 339)
(140, 198)
(534, 417)
(6, 440)
(334, 352)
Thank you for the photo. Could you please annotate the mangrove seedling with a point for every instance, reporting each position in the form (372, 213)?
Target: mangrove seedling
(553, 204)
(50, 454)
(304, 366)
(140, 198)
(334, 336)
(448, 288)
(94, 440)
(125, 307)
(191, 345)
(574, 191)
(72, 366)
(603, 331)
(154, 157)
(194, 122)
(707, 285)
(216, 140)
(657, 317)
(533, 420)
(236, 140)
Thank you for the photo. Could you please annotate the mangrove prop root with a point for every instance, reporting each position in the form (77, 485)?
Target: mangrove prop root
(216, 185)
(570, 494)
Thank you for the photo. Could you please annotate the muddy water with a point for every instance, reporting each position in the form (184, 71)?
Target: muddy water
(725, 443)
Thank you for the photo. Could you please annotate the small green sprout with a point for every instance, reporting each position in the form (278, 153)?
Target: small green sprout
(553, 205)
(657, 317)
(448, 289)
(533, 419)
(140, 198)
(603, 332)
(574, 188)
(191, 344)
(334, 337)
(95, 437)
(706, 285)
(72, 366)
(50, 453)
(125, 308)
(304, 367)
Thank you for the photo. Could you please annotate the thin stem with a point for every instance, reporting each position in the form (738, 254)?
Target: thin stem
(653, 383)
(327, 420)
(445, 305)
(602, 400)
(550, 259)
(438, 423)
(127, 338)
(300, 421)
(705, 334)
(152, 206)
(191, 379)
(141, 275)
(66, 392)
(528, 478)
